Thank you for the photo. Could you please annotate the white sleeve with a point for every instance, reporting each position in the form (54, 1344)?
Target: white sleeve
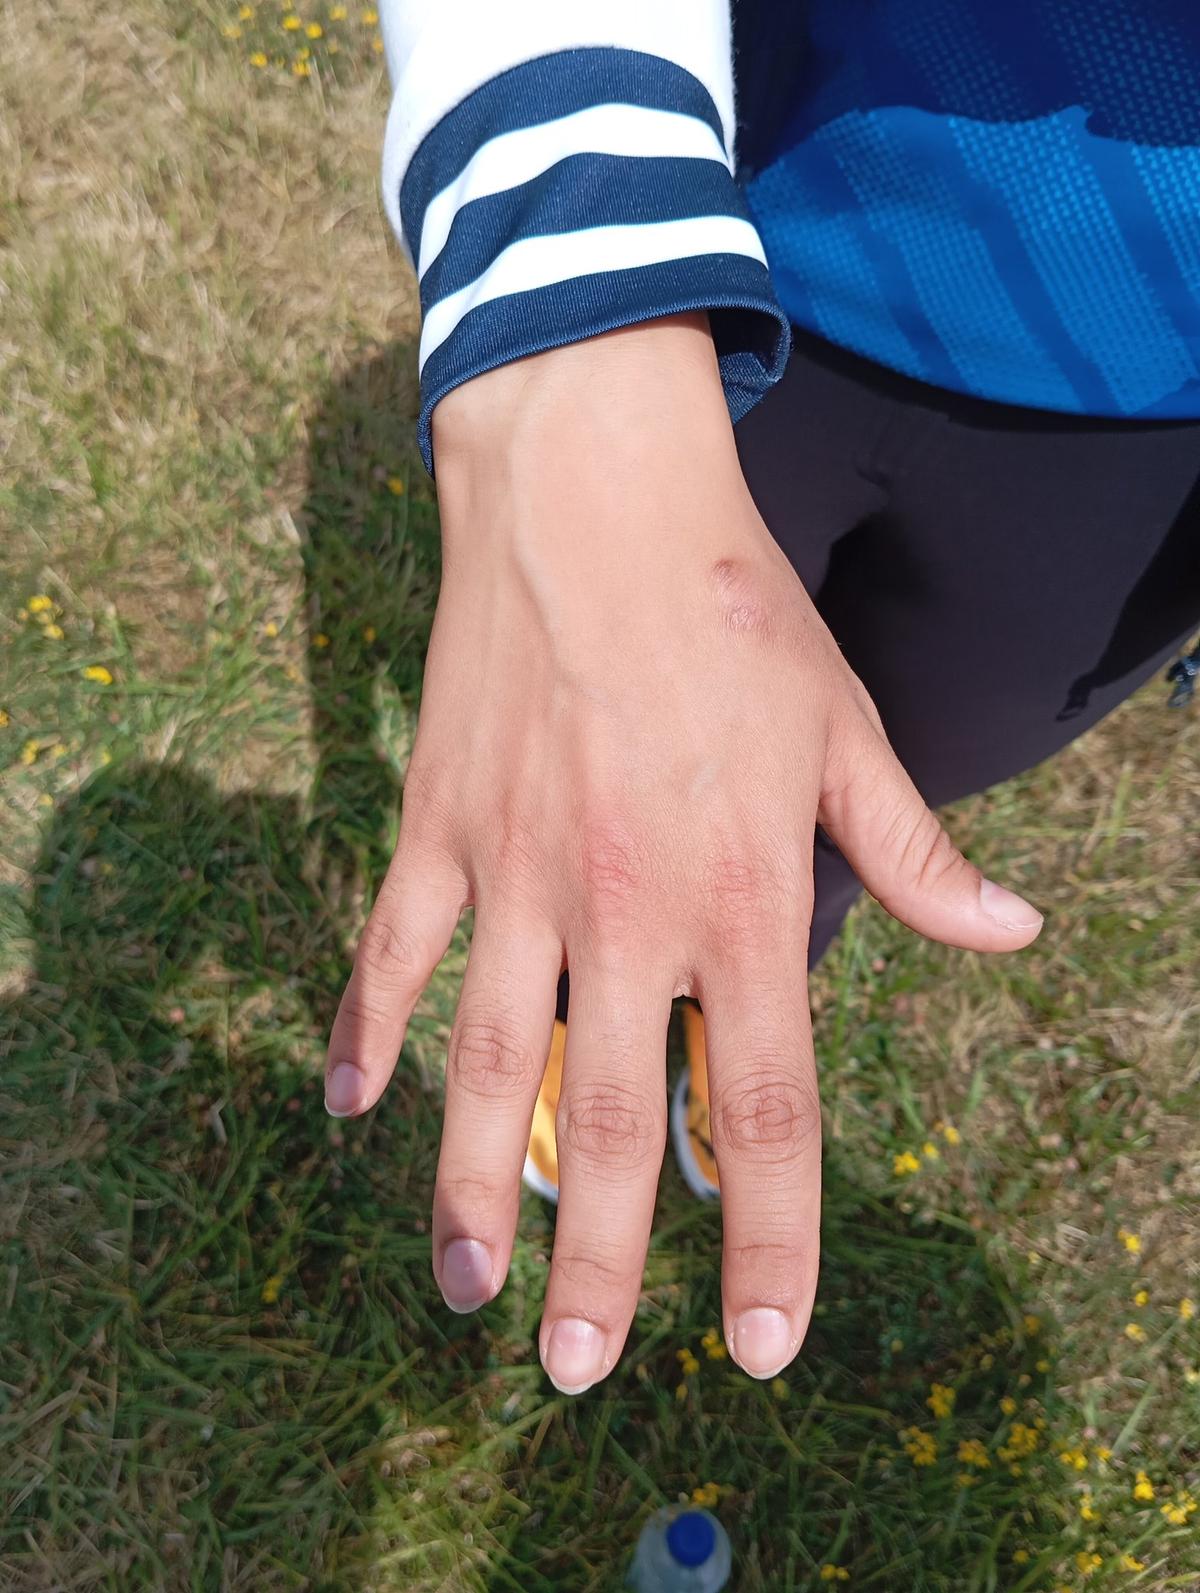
(558, 169)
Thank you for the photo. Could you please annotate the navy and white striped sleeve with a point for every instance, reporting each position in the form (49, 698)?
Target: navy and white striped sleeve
(558, 170)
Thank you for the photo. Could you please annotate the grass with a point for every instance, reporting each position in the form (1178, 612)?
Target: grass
(223, 1363)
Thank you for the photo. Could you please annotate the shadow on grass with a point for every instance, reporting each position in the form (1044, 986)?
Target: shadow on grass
(225, 1363)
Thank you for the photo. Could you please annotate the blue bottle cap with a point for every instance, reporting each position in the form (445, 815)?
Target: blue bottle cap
(691, 1538)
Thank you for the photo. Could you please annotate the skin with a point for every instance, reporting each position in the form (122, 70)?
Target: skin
(633, 718)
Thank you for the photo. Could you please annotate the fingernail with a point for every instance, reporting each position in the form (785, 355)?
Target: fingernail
(343, 1090)
(574, 1355)
(762, 1341)
(1006, 907)
(466, 1275)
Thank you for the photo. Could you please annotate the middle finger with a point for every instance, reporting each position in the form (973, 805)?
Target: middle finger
(611, 1132)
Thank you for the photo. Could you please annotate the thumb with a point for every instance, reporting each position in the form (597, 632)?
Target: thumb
(875, 815)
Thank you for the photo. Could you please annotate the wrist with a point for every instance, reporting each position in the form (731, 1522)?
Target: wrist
(603, 397)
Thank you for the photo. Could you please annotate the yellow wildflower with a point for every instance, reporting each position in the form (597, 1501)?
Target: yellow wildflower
(1032, 1325)
(1020, 1556)
(951, 1135)
(688, 1361)
(271, 1288)
(396, 485)
(1087, 1508)
(245, 13)
(1008, 1405)
(1178, 1510)
(1088, 1561)
(292, 23)
(681, 1392)
(377, 45)
(1130, 1240)
(1129, 1562)
(368, 18)
(304, 54)
(707, 1495)
(231, 30)
(258, 59)
(4, 719)
(920, 1447)
(320, 639)
(1103, 1454)
(270, 628)
(1187, 1308)
(930, 1151)
(54, 632)
(1142, 1297)
(369, 634)
(972, 1453)
(98, 673)
(714, 1346)
(941, 1399)
(337, 13)
(314, 30)
(39, 603)
(301, 68)
(45, 800)
(779, 1387)
(905, 1162)
(29, 753)
(1143, 1488)
(1191, 1375)
(1075, 1458)
(834, 1573)
(1136, 1332)
(964, 1479)
(1041, 1366)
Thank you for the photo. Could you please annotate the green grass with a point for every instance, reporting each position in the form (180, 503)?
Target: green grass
(223, 1361)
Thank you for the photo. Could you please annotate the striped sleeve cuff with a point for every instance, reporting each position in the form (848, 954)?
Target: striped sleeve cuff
(576, 193)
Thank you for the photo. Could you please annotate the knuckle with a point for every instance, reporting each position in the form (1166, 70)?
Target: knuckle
(751, 896)
(389, 951)
(470, 1201)
(772, 1117)
(612, 1124)
(359, 1013)
(589, 1272)
(488, 1059)
(927, 854)
(610, 861)
(774, 1259)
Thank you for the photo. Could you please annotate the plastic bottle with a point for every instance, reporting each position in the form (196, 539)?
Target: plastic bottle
(681, 1550)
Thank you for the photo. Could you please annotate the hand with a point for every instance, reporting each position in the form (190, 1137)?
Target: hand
(633, 718)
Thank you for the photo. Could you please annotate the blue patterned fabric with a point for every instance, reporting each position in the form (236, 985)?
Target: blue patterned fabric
(998, 198)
